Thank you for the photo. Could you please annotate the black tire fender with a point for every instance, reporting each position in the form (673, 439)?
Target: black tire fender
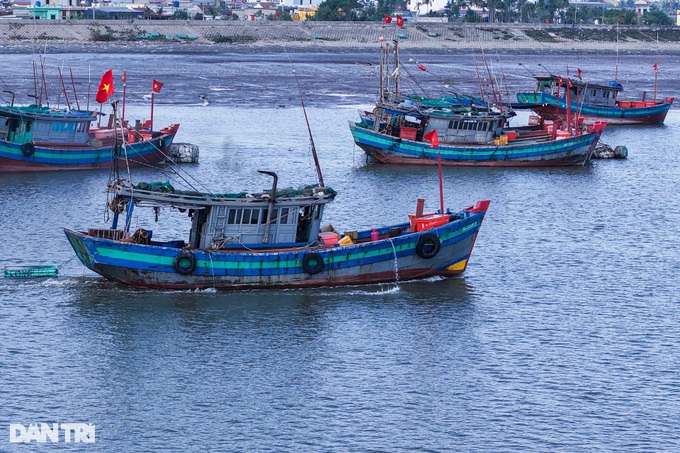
(428, 246)
(312, 263)
(180, 263)
(27, 149)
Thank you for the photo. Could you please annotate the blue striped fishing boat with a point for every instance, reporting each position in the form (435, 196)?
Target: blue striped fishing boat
(464, 131)
(269, 239)
(34, 138)
(590, 101)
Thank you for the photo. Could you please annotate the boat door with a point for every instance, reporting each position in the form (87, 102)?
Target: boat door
(19, 131)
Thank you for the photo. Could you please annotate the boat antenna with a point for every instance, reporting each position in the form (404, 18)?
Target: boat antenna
(309, 129)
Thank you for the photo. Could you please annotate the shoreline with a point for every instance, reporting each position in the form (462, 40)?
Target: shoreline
(124, 37)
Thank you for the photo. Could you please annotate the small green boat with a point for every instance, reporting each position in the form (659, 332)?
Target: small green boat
(49, 270)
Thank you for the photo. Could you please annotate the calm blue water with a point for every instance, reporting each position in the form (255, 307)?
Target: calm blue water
(562, 335)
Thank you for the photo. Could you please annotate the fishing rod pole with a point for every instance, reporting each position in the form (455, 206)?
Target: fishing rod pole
(527, 69)
(545, 69)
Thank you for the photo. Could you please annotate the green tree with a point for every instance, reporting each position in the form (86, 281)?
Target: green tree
(655, 17)
(336, 10)
(180, 14)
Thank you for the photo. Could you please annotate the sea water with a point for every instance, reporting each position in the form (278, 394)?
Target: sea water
(562, 335)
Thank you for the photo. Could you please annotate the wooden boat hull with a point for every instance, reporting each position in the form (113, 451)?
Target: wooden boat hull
(388, 259)
(388, 149)
(553, 108)
(147, 152)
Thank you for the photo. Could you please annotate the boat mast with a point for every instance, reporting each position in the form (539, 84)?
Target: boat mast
(63, 88)
(396, 68)
(616, 70)
(568, 99)
(75, 94)
(382, 86)
(479, 82)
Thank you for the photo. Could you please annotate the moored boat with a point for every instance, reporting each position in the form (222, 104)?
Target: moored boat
(403, 130)
(592, 102)
(269, 239)
(34, 138)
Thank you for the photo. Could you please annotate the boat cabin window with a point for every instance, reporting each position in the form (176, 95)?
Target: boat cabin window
(63, 127)
(244, 216)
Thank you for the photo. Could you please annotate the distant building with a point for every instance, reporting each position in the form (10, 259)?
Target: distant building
(641, 7)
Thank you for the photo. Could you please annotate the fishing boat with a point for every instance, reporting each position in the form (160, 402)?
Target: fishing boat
(272, 238)
(36, 138)
(592, 102)
(403, 130)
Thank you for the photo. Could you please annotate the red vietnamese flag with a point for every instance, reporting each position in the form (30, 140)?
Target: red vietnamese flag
(559, 82)
(124, 77)
(388, 19)
(422, 67)
(569, 83)
(656, 66)
(156, 86)
(400, 21)
(105, 89)
(432, 138)
(578, 73)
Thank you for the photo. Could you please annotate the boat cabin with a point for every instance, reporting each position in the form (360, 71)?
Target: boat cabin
(35, 124)
(243, 220)
(587, 93)
(469, 127)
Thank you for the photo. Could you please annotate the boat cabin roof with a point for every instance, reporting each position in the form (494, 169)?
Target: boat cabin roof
(552, 79)
(34, 112)
(164, 194)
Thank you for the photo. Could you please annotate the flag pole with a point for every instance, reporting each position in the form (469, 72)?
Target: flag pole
(441, 181)
(151, 121)
(124, 90)
(89, 86)
(656, 77)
